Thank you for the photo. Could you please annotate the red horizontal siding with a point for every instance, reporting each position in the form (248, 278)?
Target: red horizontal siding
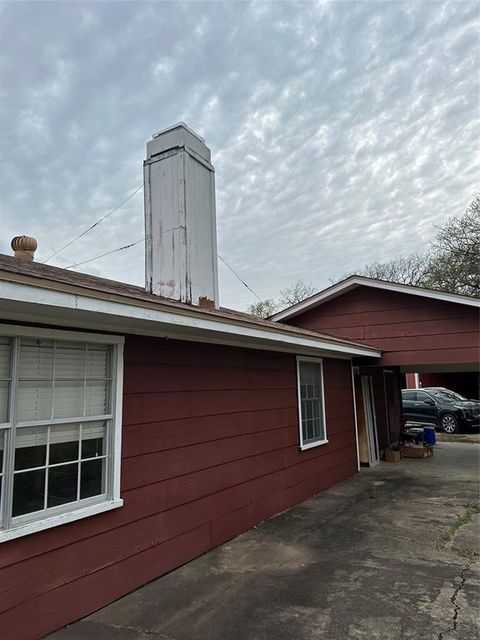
(411, 330)
(52, 609)
(149, 438)
(145, 407)
(210, 449)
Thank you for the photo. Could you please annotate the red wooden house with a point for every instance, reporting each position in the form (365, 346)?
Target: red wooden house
(418, 330)
(141, 427)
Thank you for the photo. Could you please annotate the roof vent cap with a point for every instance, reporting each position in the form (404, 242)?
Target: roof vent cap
(24, 247)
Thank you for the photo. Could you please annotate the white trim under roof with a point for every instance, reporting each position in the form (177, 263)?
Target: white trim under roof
(355, 281)
(24, 302)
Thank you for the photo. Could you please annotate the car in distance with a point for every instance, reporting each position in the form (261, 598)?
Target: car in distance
(445, 409)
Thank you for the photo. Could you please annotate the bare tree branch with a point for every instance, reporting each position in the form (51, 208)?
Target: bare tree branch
(296, 293)
(451, 264)
(263, 308)
(289, 296)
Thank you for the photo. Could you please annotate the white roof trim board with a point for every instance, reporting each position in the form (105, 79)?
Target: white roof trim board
(355, 281)
(28, 303)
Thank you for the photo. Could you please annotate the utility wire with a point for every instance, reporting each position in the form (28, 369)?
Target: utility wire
(133, 244)
(127, 246)
(107, 215)
(239, 278)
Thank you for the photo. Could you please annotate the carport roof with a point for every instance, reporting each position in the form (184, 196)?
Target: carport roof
(353, 282)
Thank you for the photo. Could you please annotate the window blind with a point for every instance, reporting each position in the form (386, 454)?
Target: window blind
(5, 358)
(62, 380)
(36, 359)
(37, 436)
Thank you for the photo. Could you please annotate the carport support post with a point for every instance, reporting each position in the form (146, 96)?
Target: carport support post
(355, 416)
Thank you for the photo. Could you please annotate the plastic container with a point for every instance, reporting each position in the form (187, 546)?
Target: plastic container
(418, 432)
(429, 435)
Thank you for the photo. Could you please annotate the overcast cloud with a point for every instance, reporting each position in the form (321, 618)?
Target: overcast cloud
(341, 132)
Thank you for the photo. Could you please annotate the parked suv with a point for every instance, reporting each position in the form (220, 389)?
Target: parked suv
(439, 406)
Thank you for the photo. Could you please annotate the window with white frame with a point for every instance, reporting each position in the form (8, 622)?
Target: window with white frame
(311, 402)
(59, 427)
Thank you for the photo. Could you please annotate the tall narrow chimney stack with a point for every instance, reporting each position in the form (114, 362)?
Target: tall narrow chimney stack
(180, 220)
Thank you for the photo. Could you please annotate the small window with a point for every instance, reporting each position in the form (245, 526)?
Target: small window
(409, 396)
(59, 429)
(311, 403)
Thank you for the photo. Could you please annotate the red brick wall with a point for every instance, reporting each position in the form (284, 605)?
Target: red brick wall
(210, 448)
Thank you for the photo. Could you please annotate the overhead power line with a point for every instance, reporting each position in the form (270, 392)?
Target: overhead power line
(133, 244)
(95, 224)
(238, 277)
(127, 246)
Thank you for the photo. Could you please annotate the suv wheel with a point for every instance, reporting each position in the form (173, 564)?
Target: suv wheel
(449, 423)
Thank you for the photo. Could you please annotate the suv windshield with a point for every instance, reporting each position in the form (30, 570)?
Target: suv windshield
(445, 395)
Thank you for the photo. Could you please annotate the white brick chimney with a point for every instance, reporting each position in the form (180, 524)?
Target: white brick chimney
(180, 220)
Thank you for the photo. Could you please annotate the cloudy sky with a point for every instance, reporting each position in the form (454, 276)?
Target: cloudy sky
(341, 132)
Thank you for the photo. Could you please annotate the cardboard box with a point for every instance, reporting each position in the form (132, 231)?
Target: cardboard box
(417, 451)
(392, 456)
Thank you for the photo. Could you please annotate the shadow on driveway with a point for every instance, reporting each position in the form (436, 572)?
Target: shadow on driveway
(390, 554)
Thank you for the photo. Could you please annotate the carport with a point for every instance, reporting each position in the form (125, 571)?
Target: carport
(418, 330)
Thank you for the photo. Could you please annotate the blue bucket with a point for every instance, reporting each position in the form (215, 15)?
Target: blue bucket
(429, 435)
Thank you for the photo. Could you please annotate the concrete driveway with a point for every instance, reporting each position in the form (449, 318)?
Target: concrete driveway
(391, 554)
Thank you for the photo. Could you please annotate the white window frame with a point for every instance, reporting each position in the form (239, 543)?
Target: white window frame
(324, 440)
(38, 521)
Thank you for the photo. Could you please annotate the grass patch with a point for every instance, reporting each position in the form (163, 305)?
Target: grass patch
(471, 511)
(470, 554)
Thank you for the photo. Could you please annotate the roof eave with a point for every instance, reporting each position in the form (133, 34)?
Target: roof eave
(355, 281)
(29, 303)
